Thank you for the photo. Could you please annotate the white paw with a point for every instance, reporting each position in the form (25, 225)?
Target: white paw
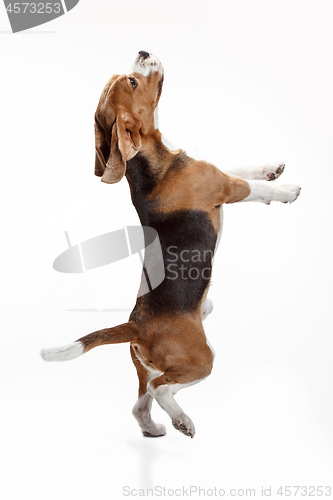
(184, 424)
(289, 193)
(154, 430)
(271, 171)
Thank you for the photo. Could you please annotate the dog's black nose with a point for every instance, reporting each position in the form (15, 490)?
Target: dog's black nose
(144, 54)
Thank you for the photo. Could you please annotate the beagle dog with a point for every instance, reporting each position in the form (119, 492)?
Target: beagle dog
(182, 199)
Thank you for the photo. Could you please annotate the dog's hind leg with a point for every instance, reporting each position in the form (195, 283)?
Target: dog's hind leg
(142, 408)
(164, 387)
(164, 395)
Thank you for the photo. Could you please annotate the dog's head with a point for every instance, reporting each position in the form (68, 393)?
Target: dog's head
(125, 113)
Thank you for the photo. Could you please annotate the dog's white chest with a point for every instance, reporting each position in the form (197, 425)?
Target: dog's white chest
(220, 230)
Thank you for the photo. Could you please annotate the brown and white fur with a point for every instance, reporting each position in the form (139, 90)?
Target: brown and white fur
(181, 198)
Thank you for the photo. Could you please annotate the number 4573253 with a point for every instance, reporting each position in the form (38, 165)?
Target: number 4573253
(33, 8)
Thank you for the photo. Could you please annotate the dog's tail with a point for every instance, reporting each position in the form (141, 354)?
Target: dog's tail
(126, 332)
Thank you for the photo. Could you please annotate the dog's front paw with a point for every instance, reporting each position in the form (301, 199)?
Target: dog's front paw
(185, 425)
(272, 171)
(289, 193)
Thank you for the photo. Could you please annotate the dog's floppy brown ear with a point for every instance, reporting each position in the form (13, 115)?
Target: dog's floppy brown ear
(125, 144)
(102, 151)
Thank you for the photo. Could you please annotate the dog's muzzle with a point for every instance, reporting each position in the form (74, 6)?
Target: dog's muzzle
(146, 63)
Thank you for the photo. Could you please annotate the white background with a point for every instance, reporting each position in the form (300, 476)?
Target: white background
(245, 83)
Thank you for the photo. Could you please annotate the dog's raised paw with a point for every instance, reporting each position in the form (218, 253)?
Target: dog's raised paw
(184, 425)
(272, 171)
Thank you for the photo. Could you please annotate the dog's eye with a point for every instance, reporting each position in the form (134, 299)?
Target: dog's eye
(134, 82)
